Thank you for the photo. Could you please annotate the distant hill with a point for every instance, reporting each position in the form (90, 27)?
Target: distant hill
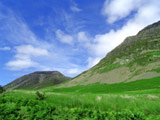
(36, 80)
(138, 57)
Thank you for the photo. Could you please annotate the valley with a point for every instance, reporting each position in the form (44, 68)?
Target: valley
(124, 85)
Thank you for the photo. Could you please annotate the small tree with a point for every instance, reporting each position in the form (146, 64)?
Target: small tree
(1, 89)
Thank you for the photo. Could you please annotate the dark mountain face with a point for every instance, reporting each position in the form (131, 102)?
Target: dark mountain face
(36, 80)
(138, 57)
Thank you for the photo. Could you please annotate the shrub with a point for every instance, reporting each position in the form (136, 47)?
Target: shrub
(40, 96)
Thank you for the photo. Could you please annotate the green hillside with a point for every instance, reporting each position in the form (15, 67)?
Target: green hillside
(138, 57)
(139, 85)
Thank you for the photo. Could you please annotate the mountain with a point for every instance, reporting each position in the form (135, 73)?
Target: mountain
(36, 80)
(138, 57)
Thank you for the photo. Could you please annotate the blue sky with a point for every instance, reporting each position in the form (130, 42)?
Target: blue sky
(69, 36)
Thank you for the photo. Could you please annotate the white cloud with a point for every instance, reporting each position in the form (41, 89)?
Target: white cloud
(46, 68)
(118, 9)
(31, 51)
(92, 61)
(64, 38)
(147, 13)
(21, 64)
(5, 48)
(82, 37)
(73, 71)
(23, 57)
(75, 9)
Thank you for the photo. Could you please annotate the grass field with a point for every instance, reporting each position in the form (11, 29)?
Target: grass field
(139, 85)
(123, 101)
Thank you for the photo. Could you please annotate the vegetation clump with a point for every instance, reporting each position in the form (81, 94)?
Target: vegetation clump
(40, 96)
(1, 90)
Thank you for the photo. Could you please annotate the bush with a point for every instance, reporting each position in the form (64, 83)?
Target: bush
(40, 96)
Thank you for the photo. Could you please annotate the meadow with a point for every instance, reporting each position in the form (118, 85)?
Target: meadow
(91, 102)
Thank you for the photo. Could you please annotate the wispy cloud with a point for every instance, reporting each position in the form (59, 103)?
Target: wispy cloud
(64, 38)
(6, 48)
(15, 31)
(74, 7)
(83, 37)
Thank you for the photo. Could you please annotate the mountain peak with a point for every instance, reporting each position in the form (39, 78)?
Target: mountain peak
(38, 79)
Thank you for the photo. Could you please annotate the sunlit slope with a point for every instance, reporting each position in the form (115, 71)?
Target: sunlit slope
(138, 57)
(140, 86)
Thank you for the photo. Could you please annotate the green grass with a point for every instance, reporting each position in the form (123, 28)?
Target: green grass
(138, 100)
(153, 53)
(144, 84)
(110, 67)
(22, 104)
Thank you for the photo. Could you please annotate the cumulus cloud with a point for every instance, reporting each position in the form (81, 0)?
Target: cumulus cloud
(5, 48)
(23, 57)
(118, 9)
(64, 38)
(31, 51)
(146, 13)
(20, 64)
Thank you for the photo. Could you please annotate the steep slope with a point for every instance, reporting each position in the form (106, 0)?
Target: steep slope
(138, 57)
(37, 80)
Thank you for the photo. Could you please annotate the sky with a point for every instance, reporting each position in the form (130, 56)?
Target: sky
(69, 36)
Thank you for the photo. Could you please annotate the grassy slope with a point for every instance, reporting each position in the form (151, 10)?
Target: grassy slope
(143, 84)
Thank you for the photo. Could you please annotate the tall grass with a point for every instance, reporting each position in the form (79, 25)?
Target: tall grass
(148, 103)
